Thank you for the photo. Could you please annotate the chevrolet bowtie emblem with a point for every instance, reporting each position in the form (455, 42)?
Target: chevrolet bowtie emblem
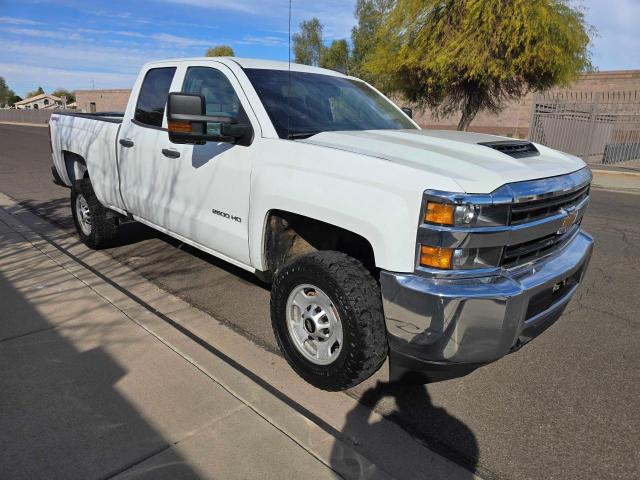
(568, 221)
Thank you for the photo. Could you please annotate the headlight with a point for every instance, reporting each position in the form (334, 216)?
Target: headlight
(459, 258)
(465, 214)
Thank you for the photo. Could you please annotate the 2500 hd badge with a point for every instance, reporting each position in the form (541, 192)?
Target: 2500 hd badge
(226, 215)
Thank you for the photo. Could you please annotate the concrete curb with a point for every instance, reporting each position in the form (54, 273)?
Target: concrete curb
(616, 181)
(332, 427)
(25, 124)
(614, 172)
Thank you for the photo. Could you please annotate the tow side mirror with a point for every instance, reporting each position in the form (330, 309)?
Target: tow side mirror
(408, 112)
(188, 123)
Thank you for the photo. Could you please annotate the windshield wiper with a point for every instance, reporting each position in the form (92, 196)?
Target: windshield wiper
(300, 135)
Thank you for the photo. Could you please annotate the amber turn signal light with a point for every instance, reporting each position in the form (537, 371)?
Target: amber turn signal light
(435, 257)
(441, 213)
(179, 127)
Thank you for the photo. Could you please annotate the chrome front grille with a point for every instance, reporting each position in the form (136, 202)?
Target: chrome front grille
(519, 254)
(537, 209)
(541, 217)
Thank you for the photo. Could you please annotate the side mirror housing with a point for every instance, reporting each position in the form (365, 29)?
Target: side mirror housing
(408, 112)
(188, 122)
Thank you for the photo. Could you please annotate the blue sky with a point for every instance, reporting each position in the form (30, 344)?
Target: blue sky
(78, 44)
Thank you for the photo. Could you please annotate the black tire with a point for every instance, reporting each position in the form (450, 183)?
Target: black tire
(356, 297)
(104, 222)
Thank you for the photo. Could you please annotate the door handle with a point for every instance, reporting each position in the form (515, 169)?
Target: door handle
(125, 142)
(168, 152)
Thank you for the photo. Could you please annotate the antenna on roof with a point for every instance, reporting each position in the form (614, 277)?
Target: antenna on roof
(289, 79)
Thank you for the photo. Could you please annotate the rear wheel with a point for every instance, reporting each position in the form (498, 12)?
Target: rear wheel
(96, 225)
(326, 313)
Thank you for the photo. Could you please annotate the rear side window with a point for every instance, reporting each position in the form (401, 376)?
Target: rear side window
(153, 96)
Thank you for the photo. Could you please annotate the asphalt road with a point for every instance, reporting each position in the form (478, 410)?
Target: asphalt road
(565, 406)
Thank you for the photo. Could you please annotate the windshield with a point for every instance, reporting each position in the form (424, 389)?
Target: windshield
(304, 104)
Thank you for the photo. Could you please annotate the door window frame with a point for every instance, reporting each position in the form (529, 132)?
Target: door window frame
(177, 83)
(181, 76)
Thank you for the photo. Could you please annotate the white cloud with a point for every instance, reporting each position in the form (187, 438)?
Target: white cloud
(267, 41)
(126, 16)
(238, 6)
(617, 45)
(336, 15)
(21, 78)
(82, 56)
(95, 31)
(18, 21)
(32, 32)
(183, 42)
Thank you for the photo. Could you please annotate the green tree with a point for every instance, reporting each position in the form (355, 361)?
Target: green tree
(39, 91)
(59, 92)
(469, 56)
(220, 51)
(7, 96)
(307, 44)
(369, 15)
(336, 57)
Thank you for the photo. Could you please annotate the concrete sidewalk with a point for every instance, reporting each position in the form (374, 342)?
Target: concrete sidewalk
(86, 392)
(104, 375)
(617, 180)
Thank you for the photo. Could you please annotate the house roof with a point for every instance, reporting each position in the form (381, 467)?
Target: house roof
(38, 97)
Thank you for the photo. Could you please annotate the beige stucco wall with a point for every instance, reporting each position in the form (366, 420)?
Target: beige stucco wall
(514, 119)
(114, 100)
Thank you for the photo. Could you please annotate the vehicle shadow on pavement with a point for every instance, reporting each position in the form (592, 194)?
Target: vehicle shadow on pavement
(56, 211)
(406, 396)
(62, 412)
(140, 241)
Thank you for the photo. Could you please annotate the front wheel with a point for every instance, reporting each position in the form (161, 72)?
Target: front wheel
(326, 313)
(97, 226)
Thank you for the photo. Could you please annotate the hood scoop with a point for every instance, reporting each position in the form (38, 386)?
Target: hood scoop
(513, 148)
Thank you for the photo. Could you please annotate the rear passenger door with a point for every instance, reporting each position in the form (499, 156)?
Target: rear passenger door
(146, 183)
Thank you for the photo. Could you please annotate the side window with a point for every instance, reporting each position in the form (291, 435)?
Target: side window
(153, 96)
(219, 95)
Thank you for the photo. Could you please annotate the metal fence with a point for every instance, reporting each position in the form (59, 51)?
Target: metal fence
(600, 127)
(26, 116)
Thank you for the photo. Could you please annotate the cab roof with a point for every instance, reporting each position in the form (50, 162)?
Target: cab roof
(258, 64)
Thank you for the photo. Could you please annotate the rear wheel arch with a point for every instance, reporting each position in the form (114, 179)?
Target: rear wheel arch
(75, 165)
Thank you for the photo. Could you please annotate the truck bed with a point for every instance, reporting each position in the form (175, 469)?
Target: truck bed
(112, 117)
(91, 137)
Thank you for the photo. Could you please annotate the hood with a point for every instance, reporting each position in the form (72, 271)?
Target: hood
(457, 155)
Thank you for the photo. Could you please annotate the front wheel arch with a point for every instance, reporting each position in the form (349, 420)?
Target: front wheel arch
(288, 235)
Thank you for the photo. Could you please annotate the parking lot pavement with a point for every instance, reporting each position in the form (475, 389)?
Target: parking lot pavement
(565, 406)
(102, 376)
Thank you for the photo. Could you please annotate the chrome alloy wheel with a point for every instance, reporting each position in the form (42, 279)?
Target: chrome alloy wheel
(83, 214)
(314, 324)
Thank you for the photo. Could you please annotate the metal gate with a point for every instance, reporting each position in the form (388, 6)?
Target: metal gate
(600, 127)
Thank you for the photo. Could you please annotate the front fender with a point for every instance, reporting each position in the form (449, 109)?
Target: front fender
(384, 218)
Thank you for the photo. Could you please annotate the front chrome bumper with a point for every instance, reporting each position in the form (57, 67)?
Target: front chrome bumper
(473, 321)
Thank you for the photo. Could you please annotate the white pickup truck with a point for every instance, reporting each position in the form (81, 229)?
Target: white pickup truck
(442, 250)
